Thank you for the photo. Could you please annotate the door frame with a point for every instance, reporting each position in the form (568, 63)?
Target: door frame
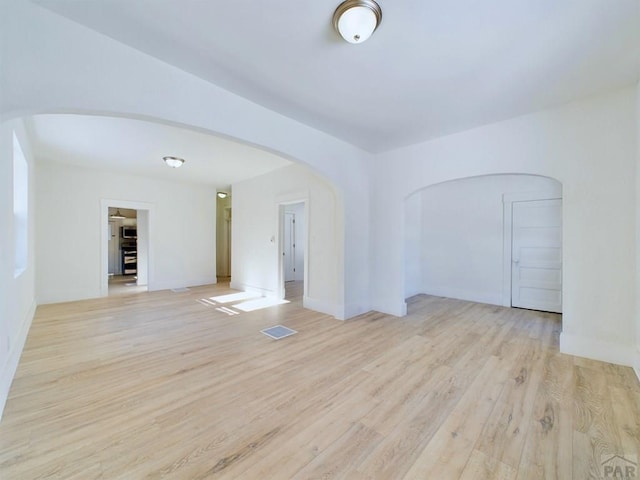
(105, 203)
(286, 239)
(112, 237)
(282, 202)
(508, 200)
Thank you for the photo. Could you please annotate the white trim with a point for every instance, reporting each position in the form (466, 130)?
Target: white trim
(596, 349)
(193, 282)
(636, 366)
(11, 366)
(242, 287)
(507, 230)
(321, 306)
(399, 309)
(466, 295)
(531, 196)
(353, 310)
(105, 203)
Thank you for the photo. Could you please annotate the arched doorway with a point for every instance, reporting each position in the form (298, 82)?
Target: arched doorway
(459, 239)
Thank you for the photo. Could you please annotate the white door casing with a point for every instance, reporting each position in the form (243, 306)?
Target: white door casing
(536, 255)
(114, 247)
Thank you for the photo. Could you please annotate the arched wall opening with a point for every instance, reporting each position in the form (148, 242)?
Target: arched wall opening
(79, 81)
(326, 289)
(458, 237)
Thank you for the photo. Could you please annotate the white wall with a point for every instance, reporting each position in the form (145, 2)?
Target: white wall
(255, 251)
(461, 246)
(181, 230)
(80, 71)
(17, 295)
(300, 235)
(590, 147)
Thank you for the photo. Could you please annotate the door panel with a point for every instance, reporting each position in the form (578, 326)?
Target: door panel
(536, 273)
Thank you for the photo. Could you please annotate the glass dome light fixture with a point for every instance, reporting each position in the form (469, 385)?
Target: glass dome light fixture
(173, 162)
(222, 194)
(356, 20)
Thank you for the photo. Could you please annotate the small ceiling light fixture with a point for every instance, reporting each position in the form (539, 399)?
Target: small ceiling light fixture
(222, 194)
(173, 162)
(117, 215)
(356, 20)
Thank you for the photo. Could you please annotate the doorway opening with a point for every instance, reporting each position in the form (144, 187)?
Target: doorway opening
(223, 238)
(293, 246)
(125, 248)
(533, 251)
(126, 256)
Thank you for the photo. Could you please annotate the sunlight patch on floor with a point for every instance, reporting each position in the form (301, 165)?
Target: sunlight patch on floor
(234, 297)
(206, 302)
(252, 305)
(227, 310)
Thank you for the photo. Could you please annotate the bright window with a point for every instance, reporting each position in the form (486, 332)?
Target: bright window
(20, 207)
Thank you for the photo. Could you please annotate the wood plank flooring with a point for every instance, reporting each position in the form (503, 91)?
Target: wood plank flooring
(162, 385)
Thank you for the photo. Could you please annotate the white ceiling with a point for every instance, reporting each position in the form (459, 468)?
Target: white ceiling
(137, 147)
(433, 67)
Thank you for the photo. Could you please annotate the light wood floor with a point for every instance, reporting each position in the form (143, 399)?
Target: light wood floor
(124, 285)
(159, 385)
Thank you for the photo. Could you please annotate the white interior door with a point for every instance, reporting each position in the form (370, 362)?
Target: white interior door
(536, 255)
(289, 247)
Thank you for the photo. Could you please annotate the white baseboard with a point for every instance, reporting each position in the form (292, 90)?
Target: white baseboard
(468, 296)
(14, 357)
(352, 310)
(52, 297)
(322, 307)
(191, 282)
(251, 289)
(597, 349)
(398, 309)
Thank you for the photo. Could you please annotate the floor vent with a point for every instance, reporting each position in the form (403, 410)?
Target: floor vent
(278, 332)
(180, 290)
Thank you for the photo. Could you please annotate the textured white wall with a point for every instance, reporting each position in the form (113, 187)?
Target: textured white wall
(181, 237)
(590, 147)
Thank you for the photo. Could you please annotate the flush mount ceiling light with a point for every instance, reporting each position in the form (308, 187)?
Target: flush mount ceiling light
(117, 215)
(222, 194)
(356, 20)
(173, 162)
